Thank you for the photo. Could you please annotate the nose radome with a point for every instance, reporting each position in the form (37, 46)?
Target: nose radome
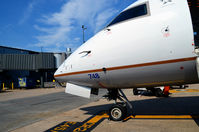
(63, 69)
(57, 73)
(70, 64)
(60, 70)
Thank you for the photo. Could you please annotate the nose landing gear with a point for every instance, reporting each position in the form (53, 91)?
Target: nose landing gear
(119, 110)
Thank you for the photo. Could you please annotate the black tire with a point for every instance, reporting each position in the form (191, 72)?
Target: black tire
(135, 91)
(159, 92)
(117, 112)
(152, 91)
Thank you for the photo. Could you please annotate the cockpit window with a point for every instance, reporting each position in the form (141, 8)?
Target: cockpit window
(134, 12)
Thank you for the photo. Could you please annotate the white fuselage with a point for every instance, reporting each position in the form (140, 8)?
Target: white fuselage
(155, 49)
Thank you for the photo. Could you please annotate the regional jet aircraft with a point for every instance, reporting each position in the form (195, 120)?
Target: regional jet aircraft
(149, 44)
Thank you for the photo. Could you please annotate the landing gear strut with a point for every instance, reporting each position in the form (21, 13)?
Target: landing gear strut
(119, 110)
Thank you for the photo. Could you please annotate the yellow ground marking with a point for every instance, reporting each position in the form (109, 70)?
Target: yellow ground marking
(184, 91)
(105, 115)
(91, 122)
(98, 118)
(63, 127)
(164, 117)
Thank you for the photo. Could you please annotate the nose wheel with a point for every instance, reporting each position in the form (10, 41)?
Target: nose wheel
(119, 110)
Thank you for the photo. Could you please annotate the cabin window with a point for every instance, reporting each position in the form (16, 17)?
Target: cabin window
(134, 12)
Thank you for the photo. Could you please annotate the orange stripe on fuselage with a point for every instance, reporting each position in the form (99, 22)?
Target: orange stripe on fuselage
(129, 66)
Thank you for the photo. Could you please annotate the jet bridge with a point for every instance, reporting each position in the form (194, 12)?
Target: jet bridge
(194, 9)
(27, 61)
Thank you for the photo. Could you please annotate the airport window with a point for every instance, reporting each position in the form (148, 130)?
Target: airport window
(134, 12)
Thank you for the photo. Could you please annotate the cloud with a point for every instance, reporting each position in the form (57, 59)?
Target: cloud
(103, 17)
(28, 11)
(65, 26)
(77, 39)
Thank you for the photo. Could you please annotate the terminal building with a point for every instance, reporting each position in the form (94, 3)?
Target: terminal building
(25, 68)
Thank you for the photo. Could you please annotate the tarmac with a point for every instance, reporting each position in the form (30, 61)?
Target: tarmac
(177, 113)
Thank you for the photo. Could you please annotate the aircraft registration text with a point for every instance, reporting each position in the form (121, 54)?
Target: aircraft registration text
(94, 76)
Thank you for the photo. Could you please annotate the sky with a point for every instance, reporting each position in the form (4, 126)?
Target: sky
(54, 25)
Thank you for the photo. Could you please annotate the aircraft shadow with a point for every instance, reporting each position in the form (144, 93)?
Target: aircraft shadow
(158, 106)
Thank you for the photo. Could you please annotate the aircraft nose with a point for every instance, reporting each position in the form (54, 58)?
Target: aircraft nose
(57, 73)
(72, 63)
(62, 70)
